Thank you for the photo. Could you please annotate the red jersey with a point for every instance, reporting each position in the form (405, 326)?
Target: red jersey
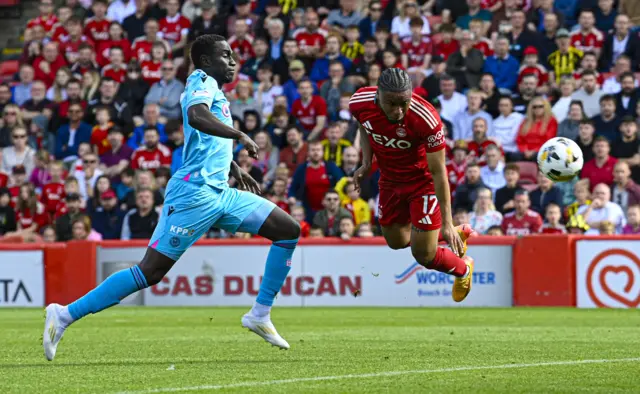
(538, 70)
(549, 229)
(305, 229)
(118, 75)
(71, 48)
(97, 30)
(484, 46)
(48, 78)
(47, 22)
(174, 28)
(530, 223)
(596, 174)
(151, 71)
(61, 209)
(416, 51)
(456, 174)
(52, 194)
(401, 148)
(307, 113)
(99, 138)
(242, 47)
(316, 184)
(102, 55)
(26, 218)
(587, 42)
(306, 39)
(478, 149)
(446, 49)
(59, 33)
(151, 159)
(141, 49)
(4, 179)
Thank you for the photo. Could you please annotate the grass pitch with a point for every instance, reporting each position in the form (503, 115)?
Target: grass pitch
(333, 350)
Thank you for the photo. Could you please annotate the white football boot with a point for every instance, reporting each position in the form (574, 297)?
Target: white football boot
(53, 330)
(264, 328)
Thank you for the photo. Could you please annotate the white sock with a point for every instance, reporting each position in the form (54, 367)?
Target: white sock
(260, 310)
(466, 273)
(65, 317)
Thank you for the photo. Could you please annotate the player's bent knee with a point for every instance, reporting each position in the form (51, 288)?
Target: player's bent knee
(425, 257)
(280, 226)
(397, 245)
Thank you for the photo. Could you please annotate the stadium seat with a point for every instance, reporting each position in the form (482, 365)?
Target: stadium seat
(529, 186)
(8, 69)
(528, 172)
(434, 21)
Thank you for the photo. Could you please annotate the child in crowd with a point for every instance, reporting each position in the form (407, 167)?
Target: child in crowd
(126, 183)
(607, 228)
(347, 229)
(448, 45)
(460, 217)
(71, 186)
(365, 230)
(553, 215)
(18, 178)
(351, 200)
(101, 130)
(633, 220)
(298, 213)
(581, 191)
(278, 194)
(352, 48)
(53, 192)
(495, 231)
(40, 175)
(316, 232)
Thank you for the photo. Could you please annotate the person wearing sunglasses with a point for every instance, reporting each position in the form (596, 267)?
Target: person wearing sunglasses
(539, 126)
(18, 154)
(369, 24)
(72, 133)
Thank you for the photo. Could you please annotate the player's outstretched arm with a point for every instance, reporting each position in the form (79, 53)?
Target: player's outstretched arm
(367, 157)
(201, 119)
(437, 167)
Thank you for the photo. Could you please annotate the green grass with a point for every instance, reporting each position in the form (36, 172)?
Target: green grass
(131, 349)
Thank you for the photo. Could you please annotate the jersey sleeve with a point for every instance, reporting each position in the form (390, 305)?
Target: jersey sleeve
(428, 125)
(201, 89)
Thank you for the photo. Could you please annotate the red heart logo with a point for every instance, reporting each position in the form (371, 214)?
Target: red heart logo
(625, 299)
(627, 288)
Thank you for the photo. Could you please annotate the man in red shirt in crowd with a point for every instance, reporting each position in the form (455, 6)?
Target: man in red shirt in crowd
(241, 43)
(600, 168)
(141, 47)
(151, 69)
(46, 19)
(116, 69)
(85, 61)
(116, 39)
(53, 192)
(74, 90)
(480, 141)
(153, 154)
(71, 46)
(587, 38)
(416, 50)
(521, 221)
(310, 110)
(406, 135)
(174, 28)
(311, 39)
(448, 45)
(47, 65)
(296, 151)
(457, 167)
(59, 32)
(97, 27)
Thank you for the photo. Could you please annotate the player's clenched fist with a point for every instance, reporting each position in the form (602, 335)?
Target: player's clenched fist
(249, 145)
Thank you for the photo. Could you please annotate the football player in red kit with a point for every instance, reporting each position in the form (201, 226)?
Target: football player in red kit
(406, 135)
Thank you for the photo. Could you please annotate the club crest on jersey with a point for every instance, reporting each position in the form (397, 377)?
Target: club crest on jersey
(401, 132)
(225, 110)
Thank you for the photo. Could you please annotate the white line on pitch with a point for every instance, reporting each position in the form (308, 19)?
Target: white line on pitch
(377, 375)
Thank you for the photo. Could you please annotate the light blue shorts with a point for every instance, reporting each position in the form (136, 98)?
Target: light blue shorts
(190, 210)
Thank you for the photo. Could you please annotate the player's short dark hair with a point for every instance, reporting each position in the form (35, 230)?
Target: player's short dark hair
(394, 80)
(204, 46)
(601, 138)
(587, 121)
(607, 97)
(416, 21)
(586, 73)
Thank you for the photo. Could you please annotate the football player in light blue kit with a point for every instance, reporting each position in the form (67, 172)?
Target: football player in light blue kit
(197, 198)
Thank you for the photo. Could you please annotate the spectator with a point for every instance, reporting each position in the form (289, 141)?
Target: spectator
(351, 200)
(347, 228)
(627, 99)
(451, 101)
(71, 135)
(5, 96)
(57, 93)
(120, 111)
(329, 218)
(480, 142)
(449, 44)
(484, 214)
(627, 147)
(333, 89)
(538, 127)
(582, 197)
(587, 38)
(462, 128)
(630, 8)
(61, 115)
(633, 220)
(268, 155)
(527, 91)
(7, 214)
(570, 127)
(612, 85)
(621, 41)
(20, 154)
(53, 190)
(107, 218)
(457, 167)
(565, 60)
(63, 223)
(282, 66)
(174, 28)
(599, 170)
(209, 22)
(625, 191)
(311, 39)
(115, 39)
(520, 36)
(88, 175)
(81, 230)
(260, 56)
(605, 16)
(117, 158)
(90, 85)
(99, 131)
(151, 117)
(522, 221)
(495, 231)
(585, 139)
(153, 154)
(274, 26)
(311, 180)
(589, 62)
(545, 194)
(141, 47)
(467, 191)
(40, 174)
(547, 42)
(506, 126)
(334, 145)
(267, 91)
(316, 232)
(296, 151)
(502, 66)
(11, 119)
(243, 12)
(120, 9)
(466, 64)
(607, 123)
(475, 12)
(166, 93)
(492, 174)
(246, 162)
(562, 107)
(310, 110)
(299, 215)
(505, 195)
(244, 100)
(432, 83)
(350, 160)
(501, 18)
(85, 62)
(552, 225)
(602, 209)
(38, 104)
(345, 16)
(30, 213)
(369, 24)
(320, 70)
(102, 184)
(71, 46)
(460, 217)
(21, 92)
(47, 65)
(140, 222)
(589, 94)
(152, 68)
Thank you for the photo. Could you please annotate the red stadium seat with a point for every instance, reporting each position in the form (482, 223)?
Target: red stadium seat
(8, 68)
(528, 172)
(529, 187)
(434, 21)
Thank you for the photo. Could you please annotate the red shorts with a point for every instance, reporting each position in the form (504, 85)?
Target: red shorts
(409, 204)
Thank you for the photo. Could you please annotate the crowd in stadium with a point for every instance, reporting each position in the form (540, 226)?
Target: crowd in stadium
(91, 126)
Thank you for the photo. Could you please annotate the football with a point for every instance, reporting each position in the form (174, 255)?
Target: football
(560, 159)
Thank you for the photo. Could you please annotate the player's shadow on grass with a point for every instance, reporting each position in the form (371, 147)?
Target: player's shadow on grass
(166, 363)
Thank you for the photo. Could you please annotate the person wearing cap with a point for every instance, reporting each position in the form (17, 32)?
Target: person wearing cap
(564, 61)
(107, 217)
(627, 146)
(209, 21)
(290, 88)
(64, 231)
(243, 12)
(531, 65)
(502, 65)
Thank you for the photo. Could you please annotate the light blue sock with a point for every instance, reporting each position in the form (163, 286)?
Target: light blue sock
(276, 270)
(109, 293)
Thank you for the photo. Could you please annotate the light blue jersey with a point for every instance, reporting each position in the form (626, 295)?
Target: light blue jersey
(205, 159)
(198, 195)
